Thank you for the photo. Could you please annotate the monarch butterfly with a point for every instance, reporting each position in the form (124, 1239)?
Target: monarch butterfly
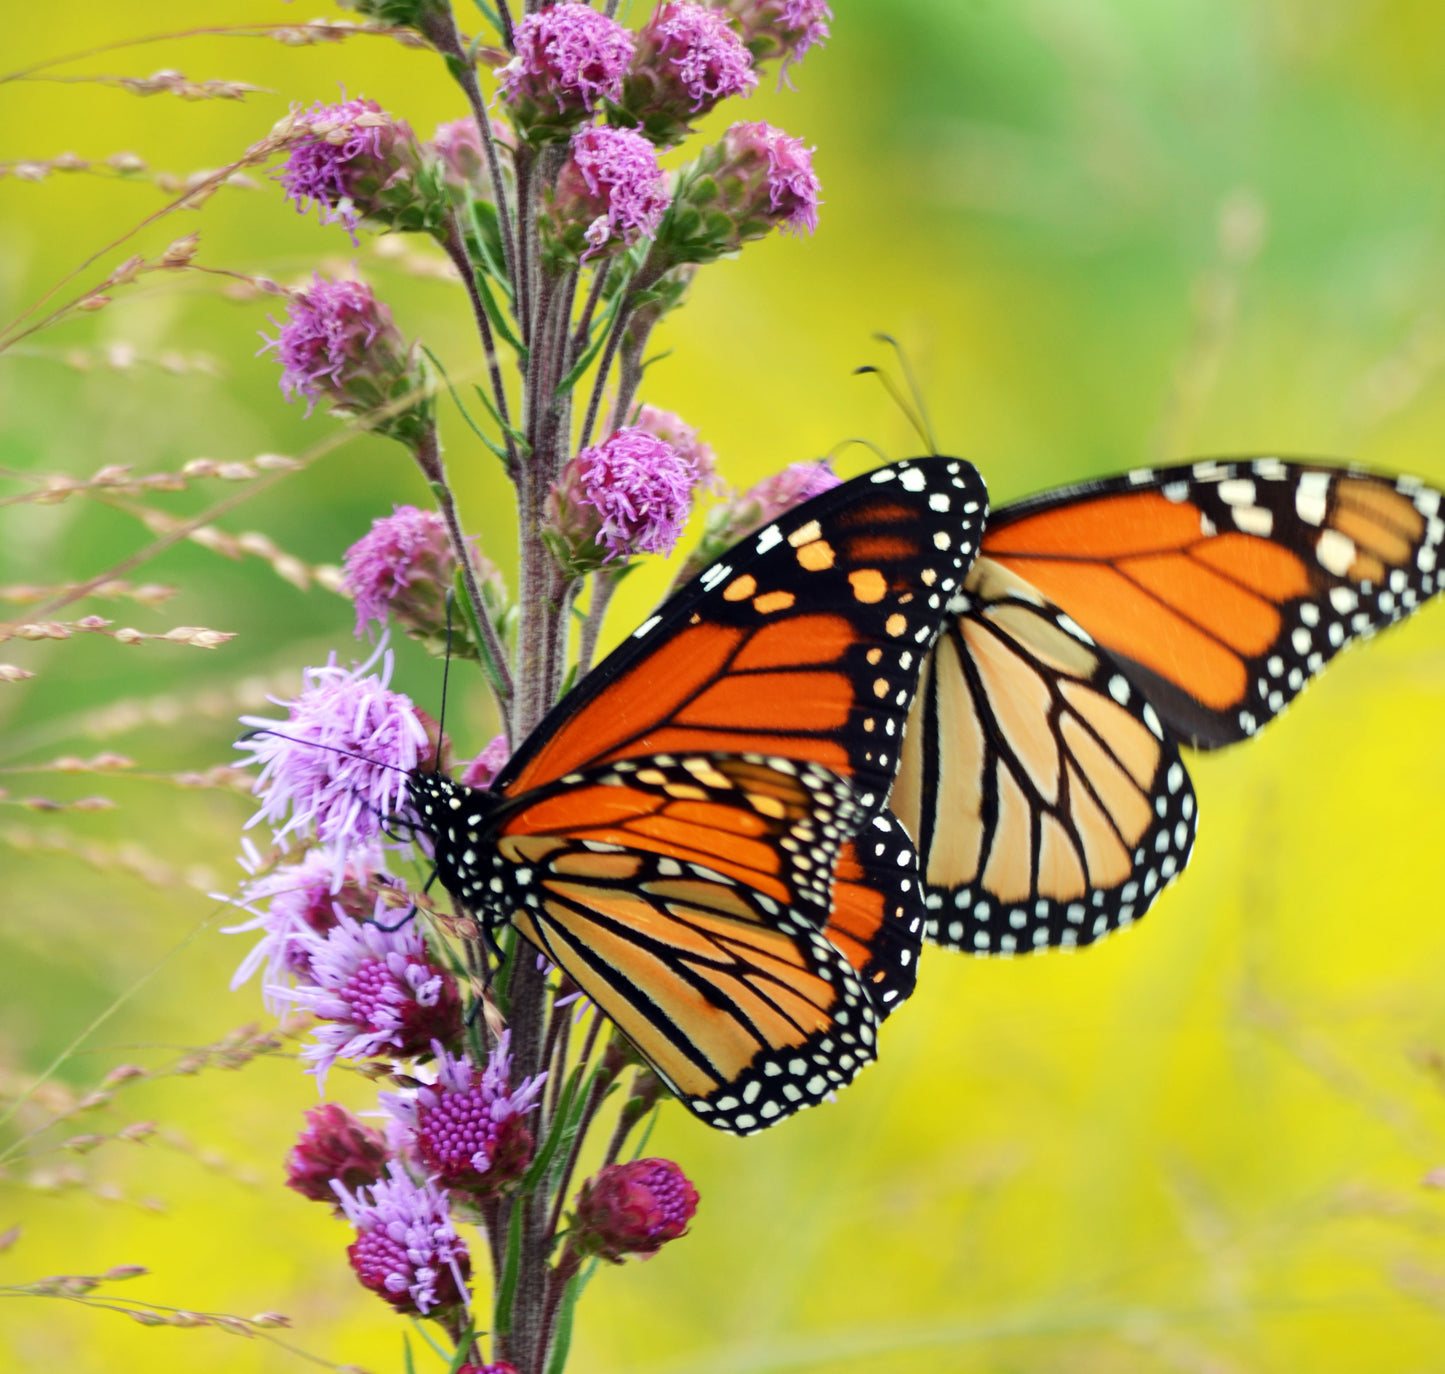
(1102, 626)
(697, 833)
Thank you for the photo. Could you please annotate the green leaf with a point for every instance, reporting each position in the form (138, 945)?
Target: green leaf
(562, 1341)
(472, 615)
(570, 680)
(603, 329)
(539, 1166)
(427, 1337)
(406, 1354)
(516, 435)
(464, 1349)
(489, 14)
(487, 229)
(507, 1286)
(466, 414)
(499, 322)
(647, 1133)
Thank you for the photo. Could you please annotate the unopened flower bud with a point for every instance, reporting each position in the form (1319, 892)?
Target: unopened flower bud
(355, 162)
(689, 58)
(610, 193)
(757, 179)
(780, 28)
(334, 1147)
(457, 146)
(338, 343)
(627, 495)
(124, 1271)
(497, 1367)
(633, 1209)
(570, 59)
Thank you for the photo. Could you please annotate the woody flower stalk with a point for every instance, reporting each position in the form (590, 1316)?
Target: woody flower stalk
(465, 1197)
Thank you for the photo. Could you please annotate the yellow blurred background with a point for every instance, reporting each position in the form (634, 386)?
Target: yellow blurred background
(1108, 231)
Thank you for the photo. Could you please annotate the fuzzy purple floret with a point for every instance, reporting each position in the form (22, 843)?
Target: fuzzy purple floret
(329, 327)
(673, 429)
(705, 53)
(570, 53)
(318, 169)
(481, 771)
(301, 900)
(407, 1250)
(382, 563)
(640, 487)
(618, 169)
(793, 187)
(807, 21)
(461, 1121)
(374, 991)
(350, 743)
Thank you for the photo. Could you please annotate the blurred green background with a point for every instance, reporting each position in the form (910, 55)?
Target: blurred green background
(1109, 231)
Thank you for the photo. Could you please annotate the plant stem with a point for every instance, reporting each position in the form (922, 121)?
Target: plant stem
(455, 245)
(429, 459)
(440, 27)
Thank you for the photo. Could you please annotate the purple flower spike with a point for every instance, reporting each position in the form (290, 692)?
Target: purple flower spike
(301, 900)
(570, 59)
(375, 992)
(611, 192)
(354, 161)
(468, 1126)
(481, 771)
(407, 1250)
(341, 768)
(689, 58)
(630, 494)
(634, 1209)
(334, 1148)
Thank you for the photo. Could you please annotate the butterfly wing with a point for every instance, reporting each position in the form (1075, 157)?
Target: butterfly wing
(1048, 803)
(1223, 587)
(804, 641)
(686, 896)
(877, 920)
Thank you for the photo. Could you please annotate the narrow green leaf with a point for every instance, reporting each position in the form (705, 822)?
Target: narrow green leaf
(499, 322)
(570, 680)
(406, 1354)
(466, 414)
(507, 1287)
(647, 1132)
(488, 13)
(603, 328)
(562, 1340)
(464, 1350)
(429, 1339)
(487, 229)
(539, 1166)
(516, 435)
(471, 614)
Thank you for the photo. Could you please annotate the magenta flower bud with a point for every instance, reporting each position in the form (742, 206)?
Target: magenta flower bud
(570, 60)
(611, 193)
(457, 145)
(689, 58)
(338, 344)
(481, 771)
(780, 28)
(757, 179)
(499, 1367)
(406, 1250)
(374, 991)
(468, 1127)
(334, 1148)
(403, 567)
(741, 514)
(633, 1209)
(355, 162)
(629, 494)
(338, 765)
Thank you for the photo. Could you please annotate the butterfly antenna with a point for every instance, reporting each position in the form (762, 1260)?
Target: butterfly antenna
(866, 443)
(446, 675)
(920, 410)
(312, 744)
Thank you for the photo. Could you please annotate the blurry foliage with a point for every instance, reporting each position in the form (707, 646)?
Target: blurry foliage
(1108, 231)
